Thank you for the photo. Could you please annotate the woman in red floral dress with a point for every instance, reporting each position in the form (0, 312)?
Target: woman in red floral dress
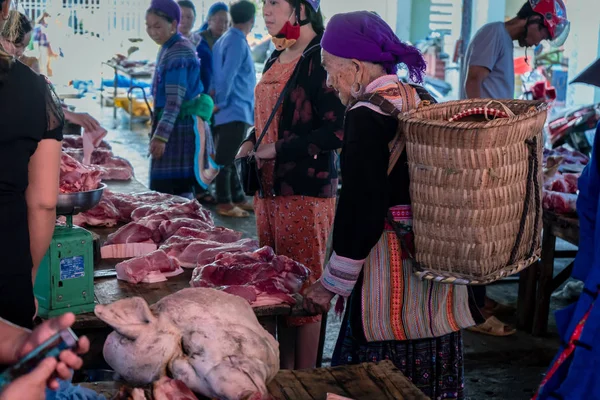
(295, 210)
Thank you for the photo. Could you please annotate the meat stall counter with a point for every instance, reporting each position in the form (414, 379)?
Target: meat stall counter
(108, 289)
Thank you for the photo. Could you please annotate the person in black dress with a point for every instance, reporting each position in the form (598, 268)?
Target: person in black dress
(31, 122)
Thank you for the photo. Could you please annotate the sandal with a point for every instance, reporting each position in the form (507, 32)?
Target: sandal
(493, 327)
(246, 206)
(206, 198)
(234, 212)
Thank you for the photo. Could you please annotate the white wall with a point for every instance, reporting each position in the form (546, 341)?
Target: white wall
(582, 47)
(486, 11)
(403, 19)
(387, 9)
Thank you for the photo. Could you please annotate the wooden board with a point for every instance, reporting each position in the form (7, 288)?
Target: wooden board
(381, 381)
(563, 227)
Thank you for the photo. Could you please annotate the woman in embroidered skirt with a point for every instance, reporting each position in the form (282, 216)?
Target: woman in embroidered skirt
(390, 313)
(294, 212)
(178, 100)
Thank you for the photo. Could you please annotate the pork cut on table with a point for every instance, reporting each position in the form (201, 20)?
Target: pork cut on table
(146, 225)
(171, 389)
(151, 268)
(76, 142)
(118, 169)
(560, 203)
(105, 214)
(563, 183)
(261, 277)
(163, 389)
(76, 177)
(172, 226)
(191, 209)
(128, 203)
(133, 232)
(568, 160)
(136, 237)
(125, 204)
(208, 339)
(113, 168)
(185, 234)
(189, 254)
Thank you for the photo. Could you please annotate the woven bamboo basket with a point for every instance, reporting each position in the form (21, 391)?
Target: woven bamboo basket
(476, 190)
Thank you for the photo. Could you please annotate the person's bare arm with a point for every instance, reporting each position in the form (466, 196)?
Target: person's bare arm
(42, 195)
(475, 78)
(12, 335)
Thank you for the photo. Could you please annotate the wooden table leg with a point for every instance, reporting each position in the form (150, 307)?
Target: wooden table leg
(540, 322)
(322, 337)
(527, 297)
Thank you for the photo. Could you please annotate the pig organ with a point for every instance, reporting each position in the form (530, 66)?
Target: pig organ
(208, 339)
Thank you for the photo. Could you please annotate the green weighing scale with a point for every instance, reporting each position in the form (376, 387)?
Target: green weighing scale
(65, 279)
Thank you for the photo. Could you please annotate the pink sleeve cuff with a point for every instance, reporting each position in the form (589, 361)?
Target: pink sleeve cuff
(341, 274)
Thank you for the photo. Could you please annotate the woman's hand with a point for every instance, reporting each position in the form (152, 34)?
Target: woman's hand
(33, 385)
(264, 153)
(84, 119)
(157, 148)
(67, 359)
(317, 299)
(245, 149)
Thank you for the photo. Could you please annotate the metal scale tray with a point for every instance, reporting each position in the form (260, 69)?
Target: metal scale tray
(75, 203)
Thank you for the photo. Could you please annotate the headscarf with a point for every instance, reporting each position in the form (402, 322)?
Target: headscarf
(215, 8)
(364, 36)
(169, 7)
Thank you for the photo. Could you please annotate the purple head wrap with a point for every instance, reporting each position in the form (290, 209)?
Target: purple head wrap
(169, 7)
(364, 36)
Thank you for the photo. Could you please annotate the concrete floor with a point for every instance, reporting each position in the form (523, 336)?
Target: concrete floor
(495, 368)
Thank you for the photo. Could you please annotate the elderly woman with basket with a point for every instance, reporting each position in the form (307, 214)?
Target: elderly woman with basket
(391, 313)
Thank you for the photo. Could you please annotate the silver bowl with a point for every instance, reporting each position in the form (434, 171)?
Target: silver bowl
(75, 203)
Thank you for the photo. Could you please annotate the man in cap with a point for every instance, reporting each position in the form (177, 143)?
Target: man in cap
(488, 66)
(488, 72)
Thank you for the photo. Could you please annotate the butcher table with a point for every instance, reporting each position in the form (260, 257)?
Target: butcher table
(108, 289)
(537, 283)
(367, 381)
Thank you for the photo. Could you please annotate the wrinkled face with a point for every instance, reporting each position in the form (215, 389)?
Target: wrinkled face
(218, 23)
(536, 33)
(188, 18)
(159, 29)
(276, 13)
(341, 74)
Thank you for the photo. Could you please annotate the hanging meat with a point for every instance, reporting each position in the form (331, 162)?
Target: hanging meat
(208, 339)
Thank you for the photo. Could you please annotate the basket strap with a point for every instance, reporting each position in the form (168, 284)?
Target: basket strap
(506, 109)
(533, 185)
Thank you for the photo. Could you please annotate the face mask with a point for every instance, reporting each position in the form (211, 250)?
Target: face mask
(288, 35)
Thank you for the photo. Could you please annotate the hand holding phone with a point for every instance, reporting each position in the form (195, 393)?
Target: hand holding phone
(68, 360)
(32, 386)
(51, 348)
